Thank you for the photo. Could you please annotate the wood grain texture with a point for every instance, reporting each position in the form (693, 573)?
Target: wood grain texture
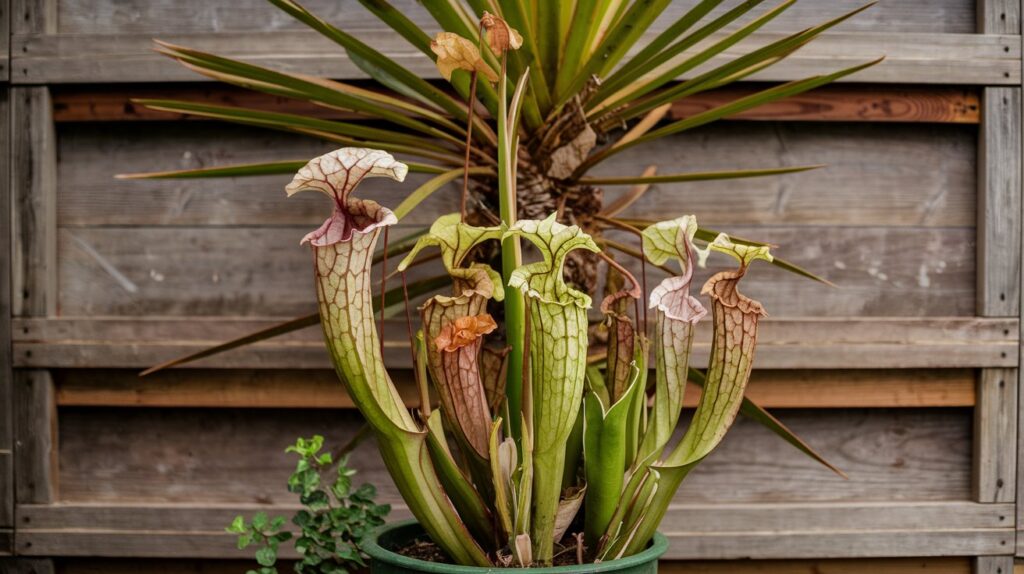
(249, 271)
(875, 175)
(5, 40)
(829, 343)
(935, 565)
(830, 103)
(27, 566)
(36, 450)
(998, 17)
(320, 389)
(6, 391)
(829, 537)
(995, 436)
(34, 221)
(123, 16)
(927, 58)
(111, 455)
(999, 204)
(993, 565)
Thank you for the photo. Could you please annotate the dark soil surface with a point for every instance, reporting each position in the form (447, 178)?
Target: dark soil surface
(565, 554)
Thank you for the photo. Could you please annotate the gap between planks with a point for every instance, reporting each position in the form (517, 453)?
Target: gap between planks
(320, 389)
(936, 104)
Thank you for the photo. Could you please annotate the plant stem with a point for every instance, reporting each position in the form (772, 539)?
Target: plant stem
(469, 145)
(511, 258)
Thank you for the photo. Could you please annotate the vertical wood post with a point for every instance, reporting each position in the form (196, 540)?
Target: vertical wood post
(34, 174)
(993, 565)
(998, 294)
(6, 394)
(997, 414)
(32, 243)
(35, 446)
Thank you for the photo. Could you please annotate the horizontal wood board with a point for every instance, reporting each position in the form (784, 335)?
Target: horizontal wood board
(931, 104)
(966, 528)
(927, 58)
(321, 388)
(841, 221)
(127, 16)
(840, 343)
(949, 565)
(188, 456)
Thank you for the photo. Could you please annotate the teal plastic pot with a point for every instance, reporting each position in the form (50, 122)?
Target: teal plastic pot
(400, 534)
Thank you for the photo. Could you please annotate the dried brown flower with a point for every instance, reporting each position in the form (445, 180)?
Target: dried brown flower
(500, 36)
(464, 331)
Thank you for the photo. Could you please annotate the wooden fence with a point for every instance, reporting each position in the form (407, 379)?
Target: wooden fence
(905, 376)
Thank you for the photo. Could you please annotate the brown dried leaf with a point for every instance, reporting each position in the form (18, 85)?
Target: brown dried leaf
(457, 53)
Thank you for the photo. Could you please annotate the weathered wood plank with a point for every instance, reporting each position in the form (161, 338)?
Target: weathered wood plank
(941, 535)
(931, 565)
(253, 271)
(5, 40)
(907, 175)
(995, 436)
(839, 343)
(958, 59)
(933, 104)
(137, 16)
(237, 456)
(833, 566)
(34, 229)
(34, 16)
(320, 389)
(999, 203)
(998, 17)
(6, 391)
(993, 565)
(35, 448)
(26, 565)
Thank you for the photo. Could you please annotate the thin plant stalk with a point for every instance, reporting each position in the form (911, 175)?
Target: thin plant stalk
(511, 259)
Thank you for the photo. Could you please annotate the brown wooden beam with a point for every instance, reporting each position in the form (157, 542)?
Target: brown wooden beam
(320, 388)
(841, 103)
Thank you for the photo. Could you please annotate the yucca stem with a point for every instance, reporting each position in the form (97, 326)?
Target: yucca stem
(511, 258)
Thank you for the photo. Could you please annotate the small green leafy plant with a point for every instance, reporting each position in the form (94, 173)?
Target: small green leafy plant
(332, 524)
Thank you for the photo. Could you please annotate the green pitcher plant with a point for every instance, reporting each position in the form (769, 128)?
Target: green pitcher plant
(544, 426)
(487, 497)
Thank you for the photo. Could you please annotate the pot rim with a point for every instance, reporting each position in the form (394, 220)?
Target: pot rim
(659, 544)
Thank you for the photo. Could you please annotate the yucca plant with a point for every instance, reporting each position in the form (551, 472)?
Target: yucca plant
(532, 430)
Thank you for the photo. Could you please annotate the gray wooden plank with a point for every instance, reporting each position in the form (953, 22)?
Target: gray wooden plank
(943, 536)
(140, 16)
(910, 58)
(998, 16)
(993, 565)
(34, 16)
(26, 566)
(257, 271)
(875, 175)
(33, 174)
(6, 428)
(35, 420)
(188, 456)
(999, 203)
(835, 343)
(995, 436)
(5, 41)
